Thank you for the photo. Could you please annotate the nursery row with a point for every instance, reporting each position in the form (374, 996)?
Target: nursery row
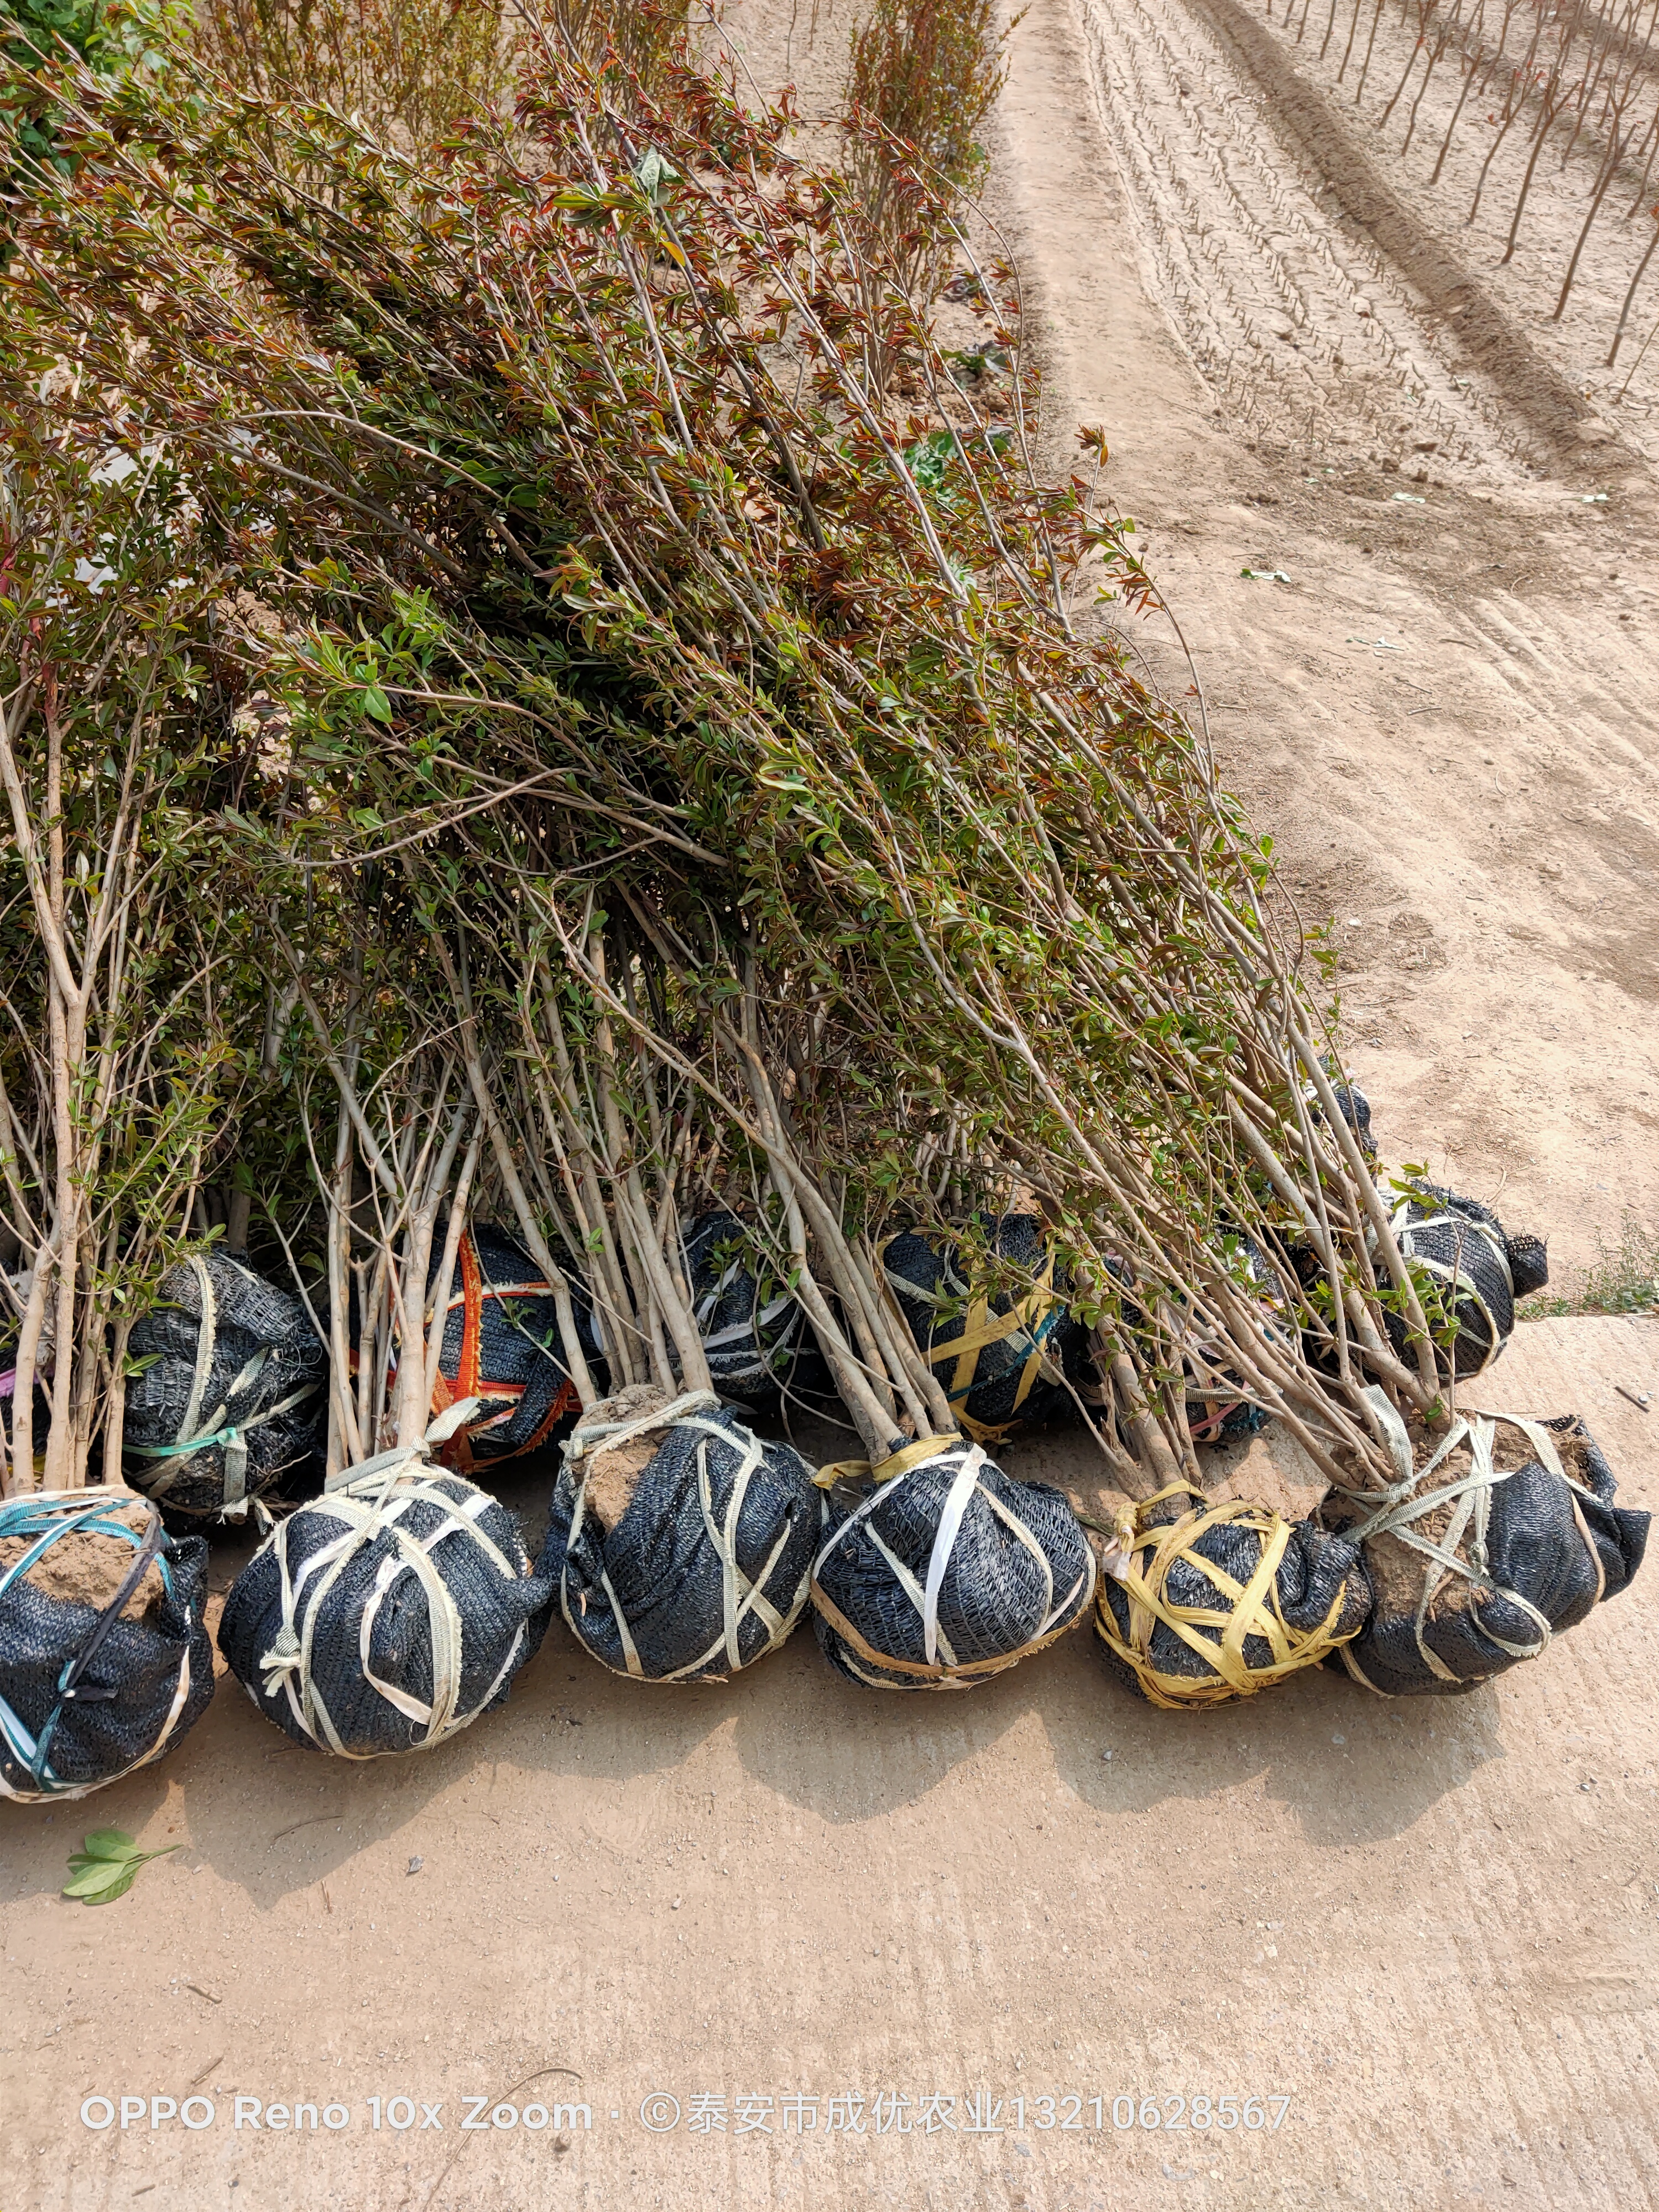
(392, 1609)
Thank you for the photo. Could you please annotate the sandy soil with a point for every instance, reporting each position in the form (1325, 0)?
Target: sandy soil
(1430, 1927)
(1445, 718)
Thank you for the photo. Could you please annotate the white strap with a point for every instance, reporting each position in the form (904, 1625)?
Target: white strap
(935, 1645)
(587, 1437)
(1405, 1501)
(944, 1541)
(206, 1336)
(1452, 1272)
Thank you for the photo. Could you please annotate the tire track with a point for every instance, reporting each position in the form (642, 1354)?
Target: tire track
(1298, 324)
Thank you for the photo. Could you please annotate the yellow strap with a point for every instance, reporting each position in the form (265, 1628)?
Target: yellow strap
(989, 1434)
(965, 1671)
(981, 1328)
(860, 1470)
(1249, 1609)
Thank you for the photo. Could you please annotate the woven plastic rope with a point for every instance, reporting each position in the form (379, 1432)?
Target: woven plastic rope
(947, 1571)
(706, 1571)
(230, 1405)
(104, 1663)
(1218, 1601)
(387, 1614)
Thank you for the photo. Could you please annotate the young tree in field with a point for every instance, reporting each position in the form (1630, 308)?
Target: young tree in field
(1424, 12)
(1619, 144)
(1514, 99)
(1447, 32)
(922, 77)
(1554, 95)
(1470, 61)
(1635, 286)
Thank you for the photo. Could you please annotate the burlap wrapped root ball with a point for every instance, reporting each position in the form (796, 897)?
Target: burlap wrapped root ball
(680, 1543)
(503, 1348)
(1506, 1534)
(760, 1350)
(105, 1662)
(1004, 1356)
(1201, 1602)
(230, 1401)
(941, 1571)
(1475, 1270)
(385, 1615)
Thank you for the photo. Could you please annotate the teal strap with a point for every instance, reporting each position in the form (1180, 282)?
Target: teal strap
(186, 1445)
(233, 1437)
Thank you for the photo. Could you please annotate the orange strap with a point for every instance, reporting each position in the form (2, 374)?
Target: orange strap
(500, 1397)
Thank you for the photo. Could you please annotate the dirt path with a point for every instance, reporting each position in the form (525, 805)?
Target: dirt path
(1446, 717)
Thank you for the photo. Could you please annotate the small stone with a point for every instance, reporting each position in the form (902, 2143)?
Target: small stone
(415, 1865)
(1427, 446)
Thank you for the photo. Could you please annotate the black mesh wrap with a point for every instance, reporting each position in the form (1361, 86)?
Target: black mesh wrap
(1463, 1247)
(1202, 1602)
(1540, 1547)
(754, 1332)
(707, 1570)
(233, 1404)
(86, 1696)
(1355, 1108)
(1020, 1344)
(1217, 1419)
(439, 1571)
(503, 1346)
(1008, 1564)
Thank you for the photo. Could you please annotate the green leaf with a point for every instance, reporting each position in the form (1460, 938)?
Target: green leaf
(118, 1886)
(105, 1864)
(376, 703)
(109, 1843)
(102, 1874)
